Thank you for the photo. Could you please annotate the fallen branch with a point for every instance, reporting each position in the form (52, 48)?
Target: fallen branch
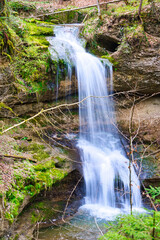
(70, 198)
(16, 157)
(63, 105)
(75, 9)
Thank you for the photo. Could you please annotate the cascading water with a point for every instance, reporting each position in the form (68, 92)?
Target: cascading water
(105, 166)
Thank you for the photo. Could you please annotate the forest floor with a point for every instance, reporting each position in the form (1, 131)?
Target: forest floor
(58, 4)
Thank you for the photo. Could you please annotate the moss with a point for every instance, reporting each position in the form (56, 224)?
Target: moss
(111, 59)
(17, 25)
(3, 105)
(134, 38)
(123, 8)
(66, 17)
(37, 41)
(29, 180)
(35, 217)
(35, 30)
(24, 43)
(31, 65)
(32, 62)
(41, 155)
(33, 147)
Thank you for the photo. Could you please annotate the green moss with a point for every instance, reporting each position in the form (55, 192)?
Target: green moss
(41, 155)
(13, 199)
(111, 59)
(121, 9)
(3, 105)
(33, 147)
(31, 65)
(17, 25)
(43, 211)
(134, 38)
(66, 17)
(37, 41)
(35, 217)
(36, 30)
(32, 62)
(27, 48)
(43, 168)
(29, 180)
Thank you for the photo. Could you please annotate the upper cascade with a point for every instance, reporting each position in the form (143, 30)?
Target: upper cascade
(105, 166)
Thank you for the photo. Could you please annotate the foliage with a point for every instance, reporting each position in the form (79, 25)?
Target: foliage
(155, 193)
(137, 227)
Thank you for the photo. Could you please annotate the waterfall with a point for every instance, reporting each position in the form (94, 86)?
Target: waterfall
(105, 165)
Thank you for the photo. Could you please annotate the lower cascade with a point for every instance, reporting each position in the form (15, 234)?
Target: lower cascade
(105, 166)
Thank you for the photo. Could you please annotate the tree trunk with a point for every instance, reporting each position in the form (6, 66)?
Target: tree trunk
(140, 8)
(99, 10)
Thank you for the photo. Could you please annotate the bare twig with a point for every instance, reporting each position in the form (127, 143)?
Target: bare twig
(16, 157)
(70, 198)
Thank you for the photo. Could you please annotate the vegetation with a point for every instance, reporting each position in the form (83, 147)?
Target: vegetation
(137, 227)
(29, 178)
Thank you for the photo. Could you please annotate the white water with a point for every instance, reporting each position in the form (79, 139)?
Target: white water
(105, 166)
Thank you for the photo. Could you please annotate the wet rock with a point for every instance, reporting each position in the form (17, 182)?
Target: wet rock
(48, 207)
(135, 48)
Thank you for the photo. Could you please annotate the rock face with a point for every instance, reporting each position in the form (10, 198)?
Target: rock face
(6, 81)
(138, 70)
(146, 118)
(22, 102)
(135, 54)
(134, 48)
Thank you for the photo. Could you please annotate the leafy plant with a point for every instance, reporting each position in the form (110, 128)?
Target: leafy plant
(137, 227)
(154, 192)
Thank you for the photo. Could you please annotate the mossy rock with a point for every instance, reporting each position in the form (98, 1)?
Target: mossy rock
(35, 30)
(37, 41)
(65, 17)
(28, 181)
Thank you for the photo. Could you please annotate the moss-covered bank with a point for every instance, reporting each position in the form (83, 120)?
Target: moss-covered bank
(27, 167)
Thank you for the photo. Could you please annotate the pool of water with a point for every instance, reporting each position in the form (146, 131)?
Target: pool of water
(81, 227)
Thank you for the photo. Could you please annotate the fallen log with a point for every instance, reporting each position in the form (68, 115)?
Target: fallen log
(16, 157)
(76, 9)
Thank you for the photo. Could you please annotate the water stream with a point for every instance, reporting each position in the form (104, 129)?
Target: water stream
(105, 165)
